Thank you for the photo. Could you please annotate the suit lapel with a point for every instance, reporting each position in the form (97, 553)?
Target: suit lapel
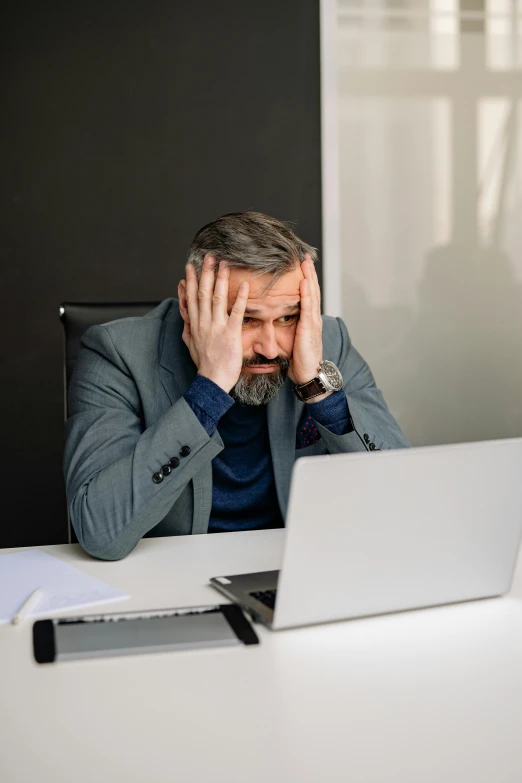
(177, 370)
(282, 415)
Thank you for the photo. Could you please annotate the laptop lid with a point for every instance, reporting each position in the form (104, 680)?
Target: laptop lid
(377, 532)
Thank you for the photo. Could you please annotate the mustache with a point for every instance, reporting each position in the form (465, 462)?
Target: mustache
(281, 361)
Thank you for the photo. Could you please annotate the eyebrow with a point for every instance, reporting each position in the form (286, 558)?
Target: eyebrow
(287, 309)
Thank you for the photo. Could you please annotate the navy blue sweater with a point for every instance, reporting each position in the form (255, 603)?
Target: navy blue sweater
(243, 491)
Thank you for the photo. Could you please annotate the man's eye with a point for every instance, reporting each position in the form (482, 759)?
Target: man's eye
(288, 318)
(246, 320)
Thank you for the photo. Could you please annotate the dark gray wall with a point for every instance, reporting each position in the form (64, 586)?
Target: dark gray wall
(127, 126)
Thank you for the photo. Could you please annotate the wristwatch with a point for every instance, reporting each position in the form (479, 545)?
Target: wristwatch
(329, 379)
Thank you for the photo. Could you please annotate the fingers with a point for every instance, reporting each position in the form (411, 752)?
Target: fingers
(207, 300)
(238, 309)
(306, 309)
(206, 289)
(310, 274)
(192, 293)
(220, 296)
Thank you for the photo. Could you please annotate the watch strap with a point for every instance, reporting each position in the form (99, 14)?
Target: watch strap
(313, 388)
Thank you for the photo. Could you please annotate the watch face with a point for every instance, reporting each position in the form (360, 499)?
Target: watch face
(333, 376)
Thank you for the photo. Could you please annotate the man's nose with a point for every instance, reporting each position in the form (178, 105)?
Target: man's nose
(266, 343)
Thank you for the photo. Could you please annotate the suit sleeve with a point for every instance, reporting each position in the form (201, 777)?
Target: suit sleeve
(370, 417)
(110, 458)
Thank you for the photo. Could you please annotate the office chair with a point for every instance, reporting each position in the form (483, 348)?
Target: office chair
(76, 317)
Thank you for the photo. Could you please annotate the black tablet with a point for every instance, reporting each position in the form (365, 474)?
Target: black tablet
(132, 633)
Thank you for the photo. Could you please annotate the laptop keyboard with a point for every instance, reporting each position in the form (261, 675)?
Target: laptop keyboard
(266, 597)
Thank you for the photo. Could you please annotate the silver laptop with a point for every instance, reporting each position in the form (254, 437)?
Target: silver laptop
(386, 531)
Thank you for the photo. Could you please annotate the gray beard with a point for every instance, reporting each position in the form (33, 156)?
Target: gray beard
(259, 389)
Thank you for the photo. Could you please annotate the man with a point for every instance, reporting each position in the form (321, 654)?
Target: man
(189, 419)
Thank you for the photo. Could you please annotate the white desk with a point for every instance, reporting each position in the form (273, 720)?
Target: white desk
(430, 696)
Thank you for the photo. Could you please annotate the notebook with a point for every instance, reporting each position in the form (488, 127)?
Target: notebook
(63, 586)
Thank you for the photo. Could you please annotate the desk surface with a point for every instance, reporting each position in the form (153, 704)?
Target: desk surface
(421, 697)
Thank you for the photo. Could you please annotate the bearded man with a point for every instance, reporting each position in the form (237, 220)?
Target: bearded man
(188, 420)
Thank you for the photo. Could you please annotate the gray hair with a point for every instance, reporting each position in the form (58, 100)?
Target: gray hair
(250, 240)
(260, 389)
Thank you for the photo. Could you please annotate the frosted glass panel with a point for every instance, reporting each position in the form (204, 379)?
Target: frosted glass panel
(504, 34)
(430, 182)
(399, 34)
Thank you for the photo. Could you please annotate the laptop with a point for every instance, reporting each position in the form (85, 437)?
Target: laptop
(371, 533)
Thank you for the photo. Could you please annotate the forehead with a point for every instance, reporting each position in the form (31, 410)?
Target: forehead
(284, 291)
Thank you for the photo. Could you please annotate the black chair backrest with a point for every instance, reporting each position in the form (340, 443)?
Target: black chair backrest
(76, 317)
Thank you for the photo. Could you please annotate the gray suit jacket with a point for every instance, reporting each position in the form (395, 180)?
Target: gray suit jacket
(128, 417)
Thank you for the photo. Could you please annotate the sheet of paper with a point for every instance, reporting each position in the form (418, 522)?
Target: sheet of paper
(63, 586)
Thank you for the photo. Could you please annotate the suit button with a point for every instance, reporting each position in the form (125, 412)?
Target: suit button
(157, 477)
(366, 438)
(174, 462)
(166, 470)
(184, 451)
(372, 447)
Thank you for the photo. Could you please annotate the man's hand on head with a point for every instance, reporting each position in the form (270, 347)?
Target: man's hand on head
(308, 344)
(212, 336)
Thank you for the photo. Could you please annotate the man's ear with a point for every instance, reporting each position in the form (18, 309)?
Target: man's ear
(182, 296)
